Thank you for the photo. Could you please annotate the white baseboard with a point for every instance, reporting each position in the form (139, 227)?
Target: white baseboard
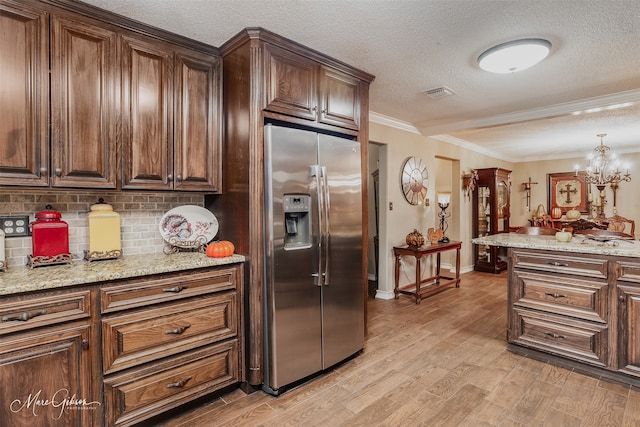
(384, 294)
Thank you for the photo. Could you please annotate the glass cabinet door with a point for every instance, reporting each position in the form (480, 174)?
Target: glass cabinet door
(502, 207)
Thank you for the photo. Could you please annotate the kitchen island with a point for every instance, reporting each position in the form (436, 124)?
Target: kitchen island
(120, 341)
(576, 304)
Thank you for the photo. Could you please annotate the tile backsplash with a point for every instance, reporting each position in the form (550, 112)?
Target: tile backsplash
(140, 214)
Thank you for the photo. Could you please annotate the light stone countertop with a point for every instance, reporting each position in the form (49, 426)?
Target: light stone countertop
(578, 244)
(18, 279)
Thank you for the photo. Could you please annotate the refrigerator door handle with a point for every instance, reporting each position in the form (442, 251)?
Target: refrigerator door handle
(327, 209)
(315, 173)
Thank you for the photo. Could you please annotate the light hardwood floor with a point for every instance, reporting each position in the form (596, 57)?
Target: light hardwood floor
(440, 363)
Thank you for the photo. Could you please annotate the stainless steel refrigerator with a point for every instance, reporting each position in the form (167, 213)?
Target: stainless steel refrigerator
(314, 305)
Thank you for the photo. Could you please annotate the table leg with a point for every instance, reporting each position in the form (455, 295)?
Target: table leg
(397, 277)
(457, 267)
(418, 275)
(438, 267)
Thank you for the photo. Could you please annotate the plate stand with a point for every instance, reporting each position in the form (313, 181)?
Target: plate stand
(175, 245)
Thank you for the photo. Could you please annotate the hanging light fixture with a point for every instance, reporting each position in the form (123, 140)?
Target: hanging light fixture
(604, 167)
(514, 56)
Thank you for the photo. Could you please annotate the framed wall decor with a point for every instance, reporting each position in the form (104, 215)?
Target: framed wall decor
(567, 190)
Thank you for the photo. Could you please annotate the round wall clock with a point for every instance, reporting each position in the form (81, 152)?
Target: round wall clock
(414, 180)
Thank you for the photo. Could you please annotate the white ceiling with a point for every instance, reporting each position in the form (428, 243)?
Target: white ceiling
(415, 45)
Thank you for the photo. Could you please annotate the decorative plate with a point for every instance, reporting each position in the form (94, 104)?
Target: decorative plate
(189, 225)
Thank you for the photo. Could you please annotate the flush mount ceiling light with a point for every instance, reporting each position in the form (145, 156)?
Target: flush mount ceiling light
(514, 56)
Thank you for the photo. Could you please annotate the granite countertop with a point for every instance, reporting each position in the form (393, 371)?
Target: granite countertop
(23, 279)
(578, 244)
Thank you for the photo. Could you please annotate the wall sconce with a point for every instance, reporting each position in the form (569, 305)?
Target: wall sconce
(469, 182)
(527, 189)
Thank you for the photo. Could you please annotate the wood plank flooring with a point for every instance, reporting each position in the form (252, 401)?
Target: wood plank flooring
(441, 363)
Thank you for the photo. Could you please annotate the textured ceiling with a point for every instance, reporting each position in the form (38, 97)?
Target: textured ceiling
(411, 46)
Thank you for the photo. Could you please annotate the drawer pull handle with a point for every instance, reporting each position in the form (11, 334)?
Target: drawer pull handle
(554, 295)
(177, 331)
(180, 383)
(24, 316)
(558, 264)
(554, 335)
(175, 289)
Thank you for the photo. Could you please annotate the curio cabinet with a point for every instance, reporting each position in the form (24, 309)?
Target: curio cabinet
(491, 211)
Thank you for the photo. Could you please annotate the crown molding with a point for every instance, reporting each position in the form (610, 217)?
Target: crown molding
(536, 113)
(381, 119)
(472, 147)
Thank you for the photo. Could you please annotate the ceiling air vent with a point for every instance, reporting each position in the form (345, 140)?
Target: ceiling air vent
(439, 92)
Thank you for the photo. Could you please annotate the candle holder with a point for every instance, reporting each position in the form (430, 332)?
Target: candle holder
(443, 201)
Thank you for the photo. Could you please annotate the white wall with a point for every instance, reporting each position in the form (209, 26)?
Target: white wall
(398, 144)
(395, 223)
(628, 202)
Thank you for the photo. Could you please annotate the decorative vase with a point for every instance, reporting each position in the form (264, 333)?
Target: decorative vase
(415, 238)
(556, 212)
(573, 214)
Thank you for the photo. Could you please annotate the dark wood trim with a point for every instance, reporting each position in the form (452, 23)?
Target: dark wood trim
(283, 42)
(129, 24)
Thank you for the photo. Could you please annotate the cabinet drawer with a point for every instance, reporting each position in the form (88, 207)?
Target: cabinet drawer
(629, 271)
(143, 393)
(586, 299)
(574, 339)
(139, 293)
(43, 311)
(146, 335)
(557, 263)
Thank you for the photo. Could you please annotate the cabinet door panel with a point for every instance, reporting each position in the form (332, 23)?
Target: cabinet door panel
(291, 86)
(147, 115)
(340, 99)
(83, 96)
(629, 333)
(24, 96)
(197, 134)
(52, 365)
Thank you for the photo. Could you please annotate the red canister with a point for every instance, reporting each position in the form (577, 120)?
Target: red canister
(49, 234)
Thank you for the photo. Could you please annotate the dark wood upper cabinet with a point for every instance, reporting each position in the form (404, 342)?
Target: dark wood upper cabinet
(170, 117)
(290, 83)
(83, 84)
(24, 99)
(197, 133)
(301, 87)
(340, 99)
(147, 114)
(94, 100)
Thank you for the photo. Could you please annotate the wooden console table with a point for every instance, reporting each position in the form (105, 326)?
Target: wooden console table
(424, 287)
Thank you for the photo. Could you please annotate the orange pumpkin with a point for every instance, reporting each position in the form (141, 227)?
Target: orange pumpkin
(220, 249)
(556, 212)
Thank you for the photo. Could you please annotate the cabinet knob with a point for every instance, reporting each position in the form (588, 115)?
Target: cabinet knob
(175, 289)
(170, 177)
(23, 317)
(180, 383)
(621, 298)
(178, 178)
(43, 170)
(178, 331)
(58, 171)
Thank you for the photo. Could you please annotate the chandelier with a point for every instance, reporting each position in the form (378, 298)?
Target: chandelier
(604, 167)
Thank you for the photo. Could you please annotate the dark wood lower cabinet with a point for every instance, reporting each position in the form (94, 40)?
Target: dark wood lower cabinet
(46, 380)
(580, 308)
(166, 339)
